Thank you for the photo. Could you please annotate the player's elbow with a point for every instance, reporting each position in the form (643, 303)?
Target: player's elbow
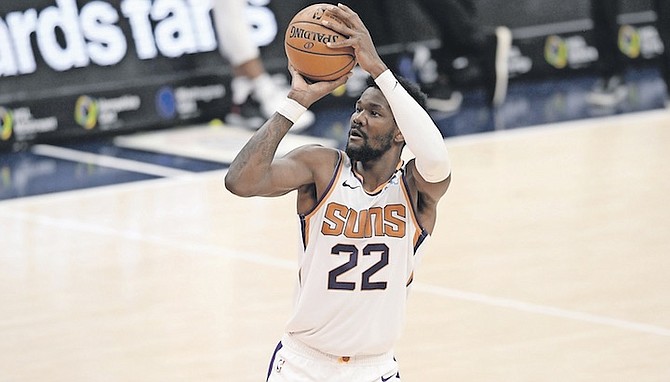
(236, 186)
(434, 170)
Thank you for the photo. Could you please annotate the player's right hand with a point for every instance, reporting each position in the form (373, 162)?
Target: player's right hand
(359, 39)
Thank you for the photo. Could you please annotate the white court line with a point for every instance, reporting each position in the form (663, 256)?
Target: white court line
(260, 259)
(106, 161)
(541, 309)
(133, 235)
(115, 188)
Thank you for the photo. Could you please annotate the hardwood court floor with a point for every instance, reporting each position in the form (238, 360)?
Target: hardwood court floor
(550, 262)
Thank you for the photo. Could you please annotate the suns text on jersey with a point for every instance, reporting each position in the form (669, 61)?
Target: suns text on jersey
(389, 220)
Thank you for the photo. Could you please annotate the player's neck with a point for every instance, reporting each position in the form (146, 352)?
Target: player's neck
(376, 172)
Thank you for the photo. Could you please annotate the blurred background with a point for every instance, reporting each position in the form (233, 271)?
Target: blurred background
(82, 72)
(122, 257)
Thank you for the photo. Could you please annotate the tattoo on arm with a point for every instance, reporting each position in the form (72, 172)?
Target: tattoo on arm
(263, 144)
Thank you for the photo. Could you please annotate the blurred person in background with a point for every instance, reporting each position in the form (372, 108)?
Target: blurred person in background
(610, 88)
(255, 94)
(662, 9)
(461, 35)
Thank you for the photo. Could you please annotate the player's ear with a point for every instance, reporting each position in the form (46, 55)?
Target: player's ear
(398, 137)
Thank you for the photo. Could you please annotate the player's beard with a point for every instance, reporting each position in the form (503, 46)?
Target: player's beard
(366, 152)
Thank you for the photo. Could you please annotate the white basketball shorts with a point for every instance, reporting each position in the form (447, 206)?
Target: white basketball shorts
(294, 361)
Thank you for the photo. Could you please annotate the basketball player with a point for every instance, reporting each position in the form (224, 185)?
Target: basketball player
(255, 94)
(364, 217)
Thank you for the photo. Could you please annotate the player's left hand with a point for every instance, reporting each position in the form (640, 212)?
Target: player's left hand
(306, 93)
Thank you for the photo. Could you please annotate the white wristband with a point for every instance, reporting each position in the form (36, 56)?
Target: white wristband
(291, 109)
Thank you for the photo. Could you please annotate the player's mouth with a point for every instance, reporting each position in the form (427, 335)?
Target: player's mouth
(355, 133)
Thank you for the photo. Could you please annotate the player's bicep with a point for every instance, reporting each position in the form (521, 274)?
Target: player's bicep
(297, 168)
(287, 174)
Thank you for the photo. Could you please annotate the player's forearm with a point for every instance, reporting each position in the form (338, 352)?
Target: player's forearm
(420, 132)
(249, 171)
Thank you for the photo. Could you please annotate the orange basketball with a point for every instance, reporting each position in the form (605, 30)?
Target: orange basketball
(306, 49)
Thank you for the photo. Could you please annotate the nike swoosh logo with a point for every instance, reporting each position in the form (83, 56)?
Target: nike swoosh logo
(345, 184)
(396, 375)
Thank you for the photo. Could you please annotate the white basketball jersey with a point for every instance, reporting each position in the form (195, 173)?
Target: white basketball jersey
(359, 254)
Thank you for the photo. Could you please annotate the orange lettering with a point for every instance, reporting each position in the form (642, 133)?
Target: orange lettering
(377, 221)
(376, 214)
(334, 219)
(394, 217)
(356, 224)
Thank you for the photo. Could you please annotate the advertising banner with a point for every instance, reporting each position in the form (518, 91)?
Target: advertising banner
(75, 68)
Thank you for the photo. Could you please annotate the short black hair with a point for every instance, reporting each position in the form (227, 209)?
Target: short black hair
(412, 88)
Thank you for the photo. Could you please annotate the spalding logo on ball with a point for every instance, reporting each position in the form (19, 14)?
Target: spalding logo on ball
(306, 49)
